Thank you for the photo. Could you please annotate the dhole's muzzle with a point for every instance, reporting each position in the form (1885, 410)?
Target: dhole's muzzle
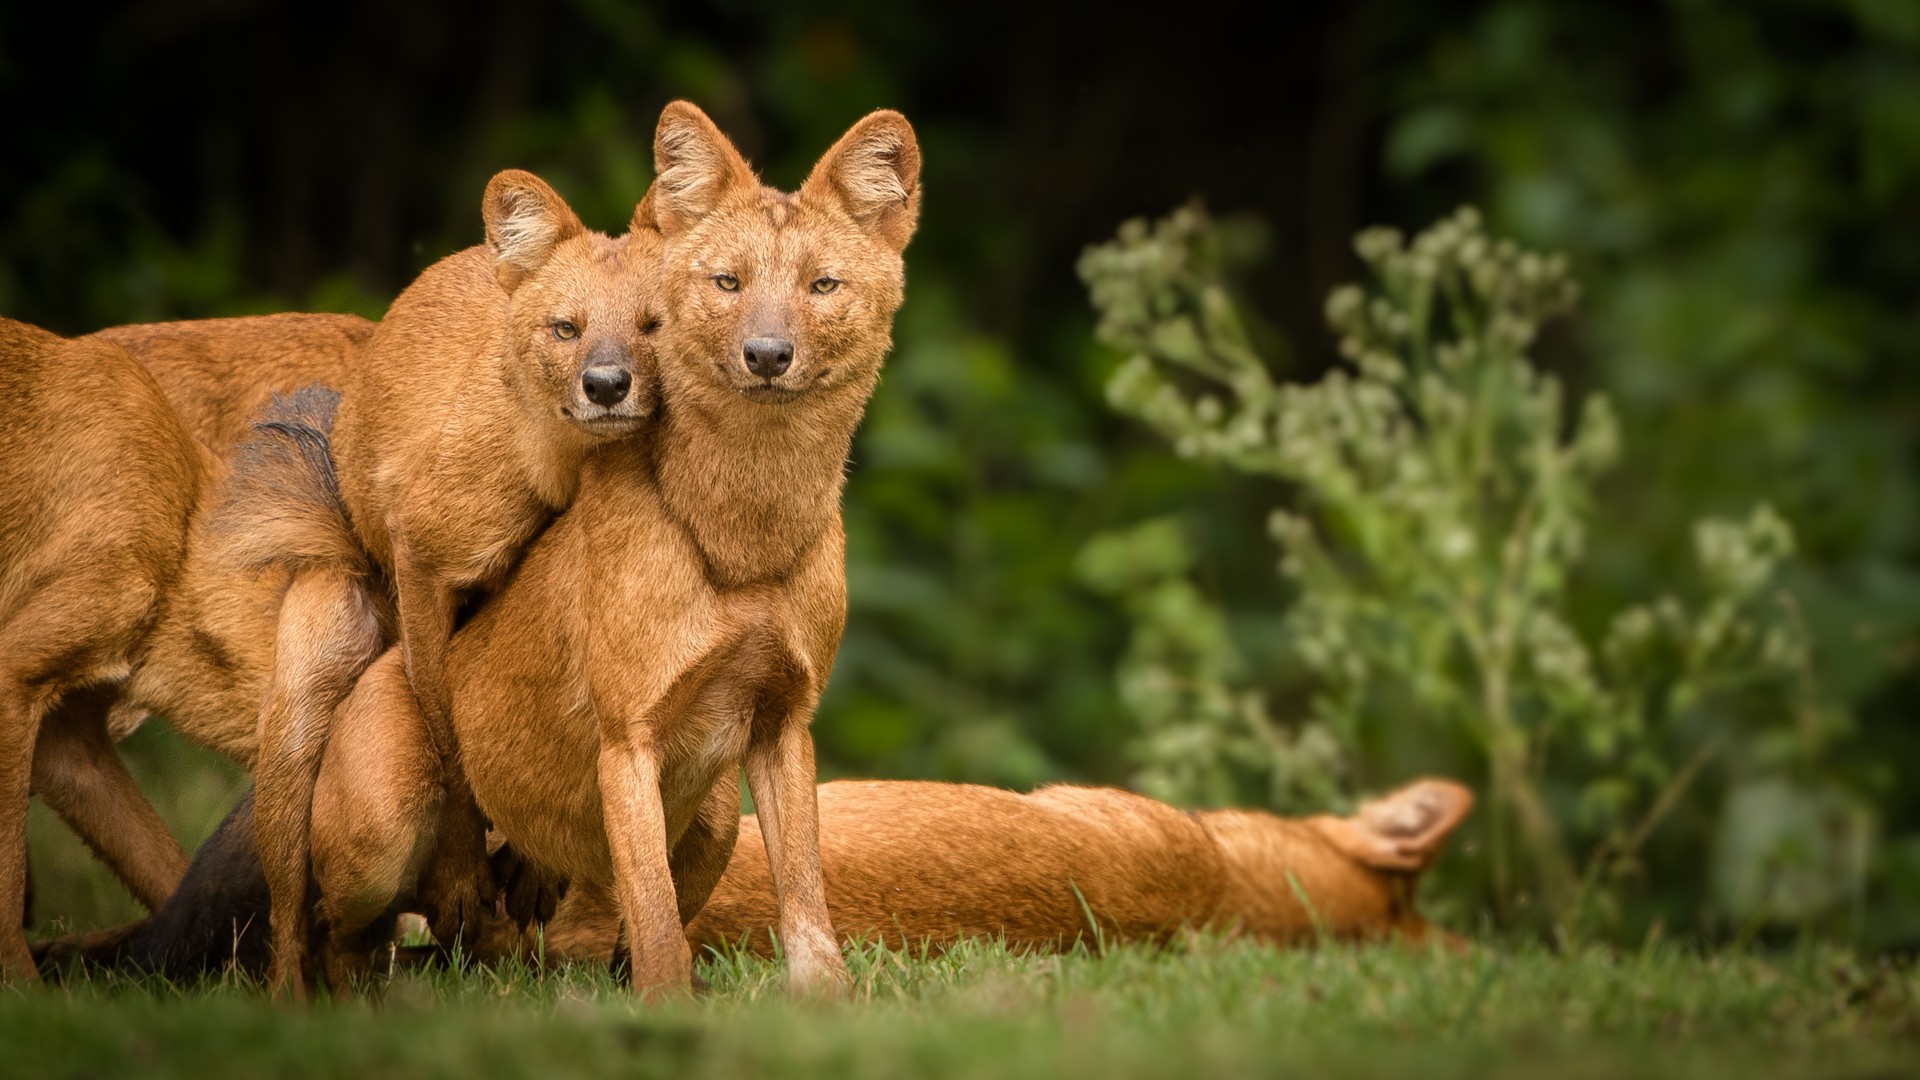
(605, 400)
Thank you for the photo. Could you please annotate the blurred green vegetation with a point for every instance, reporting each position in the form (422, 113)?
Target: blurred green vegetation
(1735, 182)
(1443, 508)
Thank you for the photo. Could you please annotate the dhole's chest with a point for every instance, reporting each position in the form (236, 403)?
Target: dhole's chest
(636, 648)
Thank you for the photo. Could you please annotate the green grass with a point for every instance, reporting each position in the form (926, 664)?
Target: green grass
(1207, 1009)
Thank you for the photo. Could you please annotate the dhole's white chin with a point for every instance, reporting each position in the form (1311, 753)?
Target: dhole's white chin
(609, 426)
(769, 394)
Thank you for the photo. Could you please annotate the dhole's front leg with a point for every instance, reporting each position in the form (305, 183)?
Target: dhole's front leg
(328, 633)
(636, 823)
(780, 773)
(427, 605)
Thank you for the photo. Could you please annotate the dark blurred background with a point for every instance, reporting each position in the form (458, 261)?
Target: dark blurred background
(1736, 181)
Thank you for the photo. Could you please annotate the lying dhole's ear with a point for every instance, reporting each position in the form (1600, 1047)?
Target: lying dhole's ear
(874, 171)
(1403, 831)
(694, 166)
(526, 220)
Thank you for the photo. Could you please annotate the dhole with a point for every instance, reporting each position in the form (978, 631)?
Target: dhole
(684, 613)
(479, 391)
(256, 626)
(93, 519)
(464, 428)
(264, 624)
(218, 373)
(918, 864)
(231, 664)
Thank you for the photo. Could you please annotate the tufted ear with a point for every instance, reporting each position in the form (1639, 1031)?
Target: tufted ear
(645, 217)
(694, 167)
(526, 220)
(1403, 831)
(874, 173)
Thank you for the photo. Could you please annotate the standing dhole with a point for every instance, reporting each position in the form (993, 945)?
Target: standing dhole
(97, 479)
(683, 615)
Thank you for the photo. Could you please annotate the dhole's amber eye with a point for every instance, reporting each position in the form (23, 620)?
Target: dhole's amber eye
(825, 285)
(727, 282)
(565, 330)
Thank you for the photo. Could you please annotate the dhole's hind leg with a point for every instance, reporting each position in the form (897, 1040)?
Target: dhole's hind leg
(20, 712)
(82, 776)
(327, 635)
(376, 809)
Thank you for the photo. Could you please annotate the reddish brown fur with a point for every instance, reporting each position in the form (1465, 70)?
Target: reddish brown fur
(465, 427)
(918, 863)
(218, 373)
(684, 614)
(114, 511)
(272, 617)
(96, 481)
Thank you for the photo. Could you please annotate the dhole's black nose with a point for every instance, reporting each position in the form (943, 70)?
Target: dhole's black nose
(767, 357)
(606, 386)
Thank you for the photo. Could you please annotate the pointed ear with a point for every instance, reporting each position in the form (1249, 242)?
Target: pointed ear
(694, 166)
(525, 220)
(645, 217)
(1403, 831)
(874, 172)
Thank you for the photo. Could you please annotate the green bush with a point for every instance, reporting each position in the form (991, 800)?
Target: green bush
(1442, 510)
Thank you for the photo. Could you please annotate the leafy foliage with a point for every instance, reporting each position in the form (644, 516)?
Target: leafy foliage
(1444, 506)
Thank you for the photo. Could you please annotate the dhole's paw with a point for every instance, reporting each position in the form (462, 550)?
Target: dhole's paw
(821, 975)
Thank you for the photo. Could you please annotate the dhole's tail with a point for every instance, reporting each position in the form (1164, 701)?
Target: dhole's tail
(282, 504)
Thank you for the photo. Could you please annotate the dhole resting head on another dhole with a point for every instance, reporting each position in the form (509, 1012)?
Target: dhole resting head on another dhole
(464, 425)
(462, 429)
(681, 618)
(917, 863)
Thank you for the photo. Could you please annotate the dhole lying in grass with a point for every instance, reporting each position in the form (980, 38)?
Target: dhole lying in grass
(683, 615)
(916, 864)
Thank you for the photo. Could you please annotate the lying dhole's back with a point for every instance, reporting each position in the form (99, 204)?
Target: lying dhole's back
(958, 860)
